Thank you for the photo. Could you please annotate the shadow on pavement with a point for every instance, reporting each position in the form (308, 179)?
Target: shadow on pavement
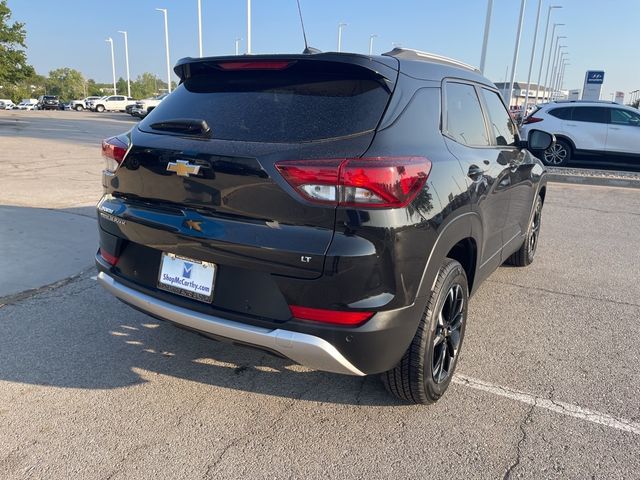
(78, 336)
(40, 246)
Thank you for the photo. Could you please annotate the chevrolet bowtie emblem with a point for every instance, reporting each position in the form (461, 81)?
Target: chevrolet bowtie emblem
(183, 168)
(193, 225)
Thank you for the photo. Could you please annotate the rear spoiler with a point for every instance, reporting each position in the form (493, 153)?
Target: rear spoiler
(385, 67)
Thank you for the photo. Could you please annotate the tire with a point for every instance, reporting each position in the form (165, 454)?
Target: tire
(79, 108)
(558, 155)
(100, 109)
(420, 376)
(525, 255)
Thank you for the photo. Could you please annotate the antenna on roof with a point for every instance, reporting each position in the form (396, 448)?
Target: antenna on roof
(304, 33)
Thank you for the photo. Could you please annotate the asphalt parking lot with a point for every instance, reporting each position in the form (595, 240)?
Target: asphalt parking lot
(548, 384)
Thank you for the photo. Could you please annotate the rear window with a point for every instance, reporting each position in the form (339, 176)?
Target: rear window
(305, 102)
(561, 113)
(590, 114)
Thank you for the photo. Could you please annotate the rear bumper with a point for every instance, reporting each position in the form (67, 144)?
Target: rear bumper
(302, 348)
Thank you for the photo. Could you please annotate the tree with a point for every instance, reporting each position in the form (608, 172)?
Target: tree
(121, 86)
(146, 85)
(30, 87)
(13, 59)
(66, 83)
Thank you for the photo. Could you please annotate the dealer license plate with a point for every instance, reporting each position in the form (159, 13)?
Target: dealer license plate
(187, 277)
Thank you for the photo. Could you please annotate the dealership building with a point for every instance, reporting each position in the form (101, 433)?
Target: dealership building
(520, 92)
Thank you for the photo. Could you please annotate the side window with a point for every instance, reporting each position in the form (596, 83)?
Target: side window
(590, 114)
(624, 117)
(465, 123)
(503, 128)
(563, 113)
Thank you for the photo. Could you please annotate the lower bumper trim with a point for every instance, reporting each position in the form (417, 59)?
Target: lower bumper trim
(307, 350)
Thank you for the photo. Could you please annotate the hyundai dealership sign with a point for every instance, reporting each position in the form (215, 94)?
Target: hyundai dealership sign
(593, 81)
(595, 77)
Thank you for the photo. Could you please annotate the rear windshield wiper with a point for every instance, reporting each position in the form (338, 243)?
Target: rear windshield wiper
(184, 126)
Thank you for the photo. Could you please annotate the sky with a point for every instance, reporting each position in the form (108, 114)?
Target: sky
(72, 33)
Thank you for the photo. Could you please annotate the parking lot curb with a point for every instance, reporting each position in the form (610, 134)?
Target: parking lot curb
(589, 180)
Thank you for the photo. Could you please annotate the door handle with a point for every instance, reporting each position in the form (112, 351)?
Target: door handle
(614, 128)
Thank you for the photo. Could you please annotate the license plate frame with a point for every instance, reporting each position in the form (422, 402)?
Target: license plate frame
(175, 267)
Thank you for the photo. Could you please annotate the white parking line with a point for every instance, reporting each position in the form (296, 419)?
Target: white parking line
(562, 408)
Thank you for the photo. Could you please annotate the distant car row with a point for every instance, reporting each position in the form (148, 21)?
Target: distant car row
(44, 102)
(107, 103)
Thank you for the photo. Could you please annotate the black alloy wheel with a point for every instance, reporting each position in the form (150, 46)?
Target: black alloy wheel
(424, 372)
(446, 343)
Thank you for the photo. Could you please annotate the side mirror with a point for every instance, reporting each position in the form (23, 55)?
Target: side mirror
(539, 140)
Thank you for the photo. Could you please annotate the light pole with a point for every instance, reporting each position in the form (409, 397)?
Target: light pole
(166, 45)
(561, 61)
(485, 40)
(248, 27)
(371, 37)
(126, 56)
(200, 27)
(516, 50)
(556, 64)
(561, 82)
(340, 27)
(533, 53)
(113, 65)
(238, 40)
(544, 47)
(551, 48)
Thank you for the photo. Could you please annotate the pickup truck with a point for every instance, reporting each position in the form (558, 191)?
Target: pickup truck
(112, 103)
(80, 105)
(143, 107)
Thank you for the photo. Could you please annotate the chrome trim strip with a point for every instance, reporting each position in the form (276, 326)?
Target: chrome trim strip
(307, 350)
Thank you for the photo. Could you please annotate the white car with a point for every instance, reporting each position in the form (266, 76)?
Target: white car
(143, 107)
(27, 104)
(6, 104)
(80, 105)
(112, 103)
(599, 132)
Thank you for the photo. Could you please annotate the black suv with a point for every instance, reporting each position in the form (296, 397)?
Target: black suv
(48, 102)
(335, 209)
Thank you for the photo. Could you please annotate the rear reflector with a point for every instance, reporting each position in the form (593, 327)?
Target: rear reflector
(531, 120)
(111, 259)
(254, 65)
(114, 150)
(374, 182)
(330, 316)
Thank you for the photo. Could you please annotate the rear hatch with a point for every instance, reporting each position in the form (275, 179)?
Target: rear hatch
(207, 154)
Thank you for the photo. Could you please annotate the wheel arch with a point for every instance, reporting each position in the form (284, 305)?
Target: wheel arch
(572, 145)
(460, 238)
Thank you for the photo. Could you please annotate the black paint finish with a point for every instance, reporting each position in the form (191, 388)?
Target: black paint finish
(476, 202)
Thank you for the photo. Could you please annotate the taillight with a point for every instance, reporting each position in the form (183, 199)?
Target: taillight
(114, 150)
(531, 119)
(111, 259)
(335, 317)
(374, 182)
(255, 65)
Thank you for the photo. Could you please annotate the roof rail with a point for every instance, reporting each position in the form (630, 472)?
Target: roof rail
(412, 54)
(609, 102)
